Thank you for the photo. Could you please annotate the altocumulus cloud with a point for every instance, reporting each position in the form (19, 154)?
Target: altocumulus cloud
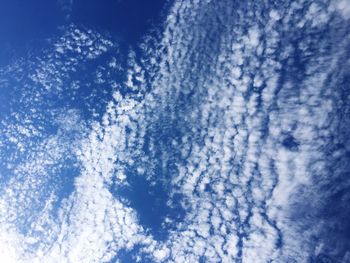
(241, 105)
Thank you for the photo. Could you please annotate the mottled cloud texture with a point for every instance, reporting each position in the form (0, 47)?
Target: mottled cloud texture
(239, 104)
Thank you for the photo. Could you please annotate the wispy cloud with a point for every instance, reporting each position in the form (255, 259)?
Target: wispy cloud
(67, 7)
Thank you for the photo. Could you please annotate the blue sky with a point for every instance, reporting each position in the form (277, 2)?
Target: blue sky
(24, 25)
(178, 131)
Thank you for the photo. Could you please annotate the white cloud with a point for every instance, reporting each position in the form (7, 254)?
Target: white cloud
(236, 178)
(343, 7)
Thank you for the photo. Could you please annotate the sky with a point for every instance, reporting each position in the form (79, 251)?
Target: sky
(27, 24)
(174, 131)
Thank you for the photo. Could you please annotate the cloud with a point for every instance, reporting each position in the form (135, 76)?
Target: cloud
(210, 105)
(67, 7)
(343, 7)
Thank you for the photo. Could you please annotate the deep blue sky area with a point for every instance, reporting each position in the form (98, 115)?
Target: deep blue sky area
(128, 19)
(26, 24)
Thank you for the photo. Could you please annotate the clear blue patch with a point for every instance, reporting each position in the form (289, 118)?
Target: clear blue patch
(129, 256)
(149, 199)
(290, 143)
(22, 23)
(127, 19)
